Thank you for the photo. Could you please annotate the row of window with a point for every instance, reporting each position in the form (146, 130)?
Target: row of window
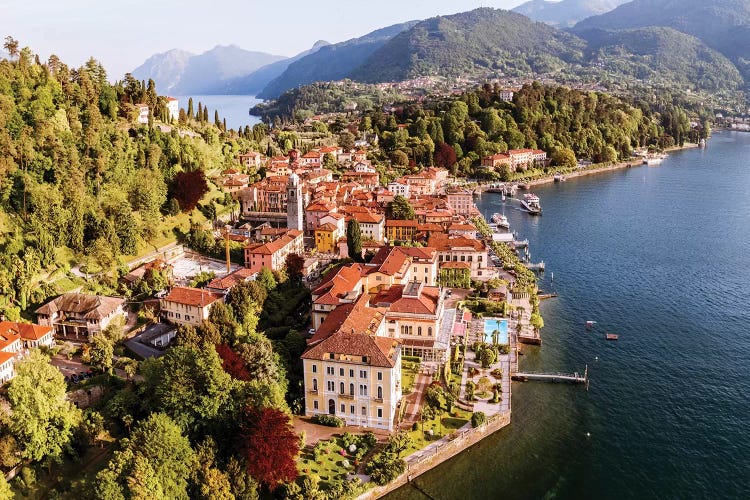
(178, 316)
(331, 387)
(330, 370)
(464, 258)
(409, 330)
(351, 409)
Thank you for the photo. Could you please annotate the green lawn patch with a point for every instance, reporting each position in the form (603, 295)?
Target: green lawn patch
(409, 371)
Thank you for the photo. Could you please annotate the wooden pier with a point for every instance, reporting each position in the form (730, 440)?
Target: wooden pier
(573, 378)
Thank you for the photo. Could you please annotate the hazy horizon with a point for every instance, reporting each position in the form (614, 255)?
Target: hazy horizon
(123, 35)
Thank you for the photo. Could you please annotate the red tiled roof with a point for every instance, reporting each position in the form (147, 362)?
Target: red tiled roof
(455, 265)
(191, 296)
(400, 223)
(380, 351)
(390, 260)
(445, 243)
(8, 338)
(338, 283)
(354, 317)
(393, 298)
(327, 227)
(231, 279)
(275, 245)
(27, 331)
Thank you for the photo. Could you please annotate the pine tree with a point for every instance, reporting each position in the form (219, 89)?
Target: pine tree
(354, 240)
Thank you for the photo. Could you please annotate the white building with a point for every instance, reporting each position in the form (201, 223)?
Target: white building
(142, 113)
(173, 107)
(399, 189)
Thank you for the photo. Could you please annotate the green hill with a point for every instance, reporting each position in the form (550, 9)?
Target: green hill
(721, 24)
(662, 56)
(479, 40)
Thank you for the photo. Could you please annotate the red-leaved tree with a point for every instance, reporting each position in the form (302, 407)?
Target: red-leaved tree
(232, 363)
(270, 446)
(445, 155)
(188, 188)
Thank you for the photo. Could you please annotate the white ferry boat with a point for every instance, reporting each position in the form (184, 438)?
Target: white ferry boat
(530, 202)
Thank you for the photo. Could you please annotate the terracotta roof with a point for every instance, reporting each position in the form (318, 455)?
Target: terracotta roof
(8, 338)
(27, 331)
(419, 253)
(320, 206)
(275, 245)
(337, 284)
(354, 317)
(231, 279)
(400, 223)
(393, 298)
(88, 306)
(390, 260)
(456, 226)
(191, 296)
(367, 217)
(5, 356)
(380, 351)
(447, 243)
(327, 227)
(455, 265)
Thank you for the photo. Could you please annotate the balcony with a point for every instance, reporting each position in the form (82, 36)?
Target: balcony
(312, 391)
(346, 396)
(378, 400)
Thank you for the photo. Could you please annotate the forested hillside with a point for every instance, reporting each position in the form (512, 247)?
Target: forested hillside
(80, 182)
(567, 124)
(485, 39)
(721, 24)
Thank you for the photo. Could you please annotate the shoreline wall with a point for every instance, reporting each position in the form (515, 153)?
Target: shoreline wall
(443, 452)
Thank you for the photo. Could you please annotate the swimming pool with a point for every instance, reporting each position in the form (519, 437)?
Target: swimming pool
(492, 324)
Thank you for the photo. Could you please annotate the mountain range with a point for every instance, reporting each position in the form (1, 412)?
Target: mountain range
(689, 45)
(178, 72)
(565, 13)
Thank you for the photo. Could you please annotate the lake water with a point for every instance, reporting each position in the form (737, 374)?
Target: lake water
(235, 108)
(661, 256)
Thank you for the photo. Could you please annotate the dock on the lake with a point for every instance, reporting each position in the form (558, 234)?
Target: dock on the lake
(574, 378)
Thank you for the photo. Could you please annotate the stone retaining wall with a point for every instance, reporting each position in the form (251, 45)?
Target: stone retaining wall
(444, 451)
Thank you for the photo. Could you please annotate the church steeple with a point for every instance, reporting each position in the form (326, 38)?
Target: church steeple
(294, 209)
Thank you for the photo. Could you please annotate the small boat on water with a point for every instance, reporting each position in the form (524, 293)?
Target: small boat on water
(530, 202)
(654, 159)
(501, 220)
(590, 324)
(612, 336)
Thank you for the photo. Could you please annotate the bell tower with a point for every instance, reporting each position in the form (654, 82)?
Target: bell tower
(294, 210)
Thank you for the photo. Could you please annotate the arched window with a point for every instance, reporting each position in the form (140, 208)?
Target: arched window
(429, 331)
(351, 389)
(380, 392)
(419, 330)
(315, 384)
(331, 407)
(341, 387)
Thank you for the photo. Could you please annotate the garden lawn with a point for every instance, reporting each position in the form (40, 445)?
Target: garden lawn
(409, 371)
(450, 423)
(331, 466)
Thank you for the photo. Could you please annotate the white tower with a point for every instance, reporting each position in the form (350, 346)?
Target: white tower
(294, 210)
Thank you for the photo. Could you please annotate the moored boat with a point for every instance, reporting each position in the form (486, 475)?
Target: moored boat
(612, 336)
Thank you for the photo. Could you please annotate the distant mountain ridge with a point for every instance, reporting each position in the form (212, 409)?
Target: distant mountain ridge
(182, 73)
(723, 25)
(332, 62)
(565, 13)
(462, 43)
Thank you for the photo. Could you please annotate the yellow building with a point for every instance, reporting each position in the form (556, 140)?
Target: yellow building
(188, 306)
(326, 237)
(400, 230)
(354, 376)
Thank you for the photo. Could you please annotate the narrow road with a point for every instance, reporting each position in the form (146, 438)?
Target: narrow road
(415, 399)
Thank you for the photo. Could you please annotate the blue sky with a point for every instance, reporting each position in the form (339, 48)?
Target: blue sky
(123, 33)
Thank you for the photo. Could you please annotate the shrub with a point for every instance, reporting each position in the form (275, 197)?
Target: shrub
(497, 373)
(349, 439)
(478, 418)
(370, 439)
(414, 426)
(385, 467)
(328, 420)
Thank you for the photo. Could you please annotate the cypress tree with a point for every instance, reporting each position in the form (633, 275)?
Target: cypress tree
(217, 122)
(190, 111)
(199, 115)
(354, 240)
(224, 125)
(205, 114)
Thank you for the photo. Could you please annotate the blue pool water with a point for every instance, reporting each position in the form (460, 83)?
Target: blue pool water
(492, 324)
